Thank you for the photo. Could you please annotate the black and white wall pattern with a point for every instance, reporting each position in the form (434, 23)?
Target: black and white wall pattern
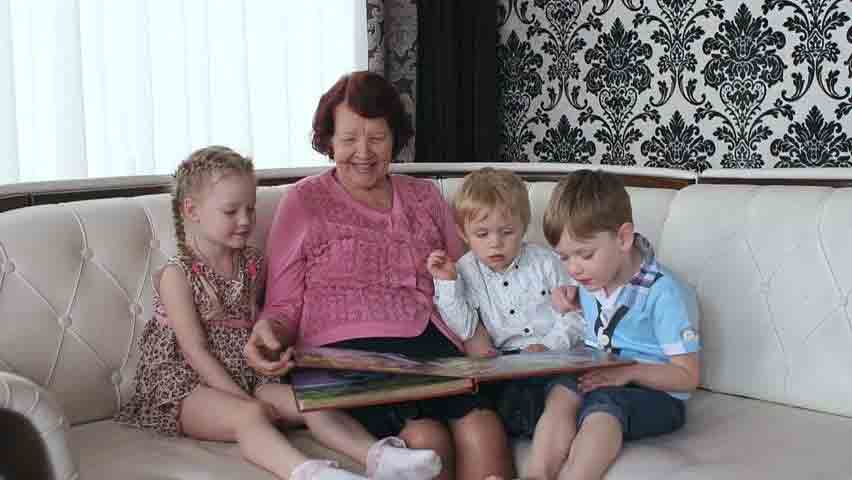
(688, 84)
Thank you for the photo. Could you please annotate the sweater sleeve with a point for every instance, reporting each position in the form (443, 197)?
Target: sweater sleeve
(286, 261)
(455, 246)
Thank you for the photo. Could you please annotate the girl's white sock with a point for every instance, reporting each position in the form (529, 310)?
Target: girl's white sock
(389, 459)
(322, 470)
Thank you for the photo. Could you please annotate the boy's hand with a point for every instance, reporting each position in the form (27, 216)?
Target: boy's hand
(536, 347)
(605, 377)
(441, 266)
(564, 298)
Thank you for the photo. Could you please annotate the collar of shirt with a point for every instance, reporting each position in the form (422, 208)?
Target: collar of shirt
(636, 289)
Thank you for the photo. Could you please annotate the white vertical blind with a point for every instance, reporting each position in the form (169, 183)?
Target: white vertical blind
(93, 88)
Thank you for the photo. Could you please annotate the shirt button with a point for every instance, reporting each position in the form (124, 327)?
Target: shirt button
(505, 284)
(512, 312)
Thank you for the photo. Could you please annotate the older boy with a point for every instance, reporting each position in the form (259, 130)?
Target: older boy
(632, 306)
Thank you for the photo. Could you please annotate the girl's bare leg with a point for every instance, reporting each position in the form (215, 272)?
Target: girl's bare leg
(337, 430)
(210, 414)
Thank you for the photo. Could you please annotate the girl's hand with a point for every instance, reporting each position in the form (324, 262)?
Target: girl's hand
(441, 266)
(263, 351)
(605, 377)
(536, 347)
(564, 298)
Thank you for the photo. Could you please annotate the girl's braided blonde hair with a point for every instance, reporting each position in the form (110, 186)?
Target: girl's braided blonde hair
(201, 169)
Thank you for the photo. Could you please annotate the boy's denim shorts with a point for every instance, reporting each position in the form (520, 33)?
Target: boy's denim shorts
(642, 412)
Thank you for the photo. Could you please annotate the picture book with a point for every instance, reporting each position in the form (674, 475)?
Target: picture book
(343, 378)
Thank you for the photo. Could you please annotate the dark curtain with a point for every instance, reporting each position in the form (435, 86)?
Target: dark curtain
(456, 81)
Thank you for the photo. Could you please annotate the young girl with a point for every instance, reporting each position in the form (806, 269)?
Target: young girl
(192, 378)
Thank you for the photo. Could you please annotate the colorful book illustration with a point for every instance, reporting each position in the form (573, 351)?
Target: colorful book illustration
(342, 378)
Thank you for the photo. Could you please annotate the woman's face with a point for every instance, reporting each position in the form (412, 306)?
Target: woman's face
(362, 149)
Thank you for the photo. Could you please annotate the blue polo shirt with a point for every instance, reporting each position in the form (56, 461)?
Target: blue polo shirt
(656, 326)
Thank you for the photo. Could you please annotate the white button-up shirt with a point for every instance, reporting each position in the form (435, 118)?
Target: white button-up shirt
(515, 305)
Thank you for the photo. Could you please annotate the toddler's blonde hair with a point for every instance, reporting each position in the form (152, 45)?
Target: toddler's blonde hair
(490, 188)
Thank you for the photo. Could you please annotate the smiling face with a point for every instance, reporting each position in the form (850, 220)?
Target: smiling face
(223, 213)
(604, 260)
(495, 237)
(362, 149)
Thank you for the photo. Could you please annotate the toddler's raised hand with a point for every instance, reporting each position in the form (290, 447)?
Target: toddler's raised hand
(441, 266)
(564, 298)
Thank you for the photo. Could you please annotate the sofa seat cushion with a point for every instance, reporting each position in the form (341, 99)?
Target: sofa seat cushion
(109, 451)
(733, 437)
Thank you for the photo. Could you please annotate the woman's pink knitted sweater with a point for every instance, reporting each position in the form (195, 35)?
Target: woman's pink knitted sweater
(340, 270)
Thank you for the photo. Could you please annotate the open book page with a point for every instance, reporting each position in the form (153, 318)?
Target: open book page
(316, 389)
(503, 367)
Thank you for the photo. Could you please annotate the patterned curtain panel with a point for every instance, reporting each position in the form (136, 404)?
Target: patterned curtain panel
(392, 43)
(688, 84)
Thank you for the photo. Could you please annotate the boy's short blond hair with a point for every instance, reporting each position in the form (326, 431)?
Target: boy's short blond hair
(585, 203)
(489, 188)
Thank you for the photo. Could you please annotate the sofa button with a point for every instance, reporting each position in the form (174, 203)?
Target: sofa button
(115, 378)
(135, 308)
(87, 254)
(9, 267)
(155, 244)
(64, 321)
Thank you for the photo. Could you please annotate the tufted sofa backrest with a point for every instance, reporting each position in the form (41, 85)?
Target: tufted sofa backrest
(772, 266)
(75, 292)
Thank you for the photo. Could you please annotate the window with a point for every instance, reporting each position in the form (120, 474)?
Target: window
(93, 88)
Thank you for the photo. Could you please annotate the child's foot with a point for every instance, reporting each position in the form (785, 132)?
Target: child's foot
(322, 470)
(389, 459)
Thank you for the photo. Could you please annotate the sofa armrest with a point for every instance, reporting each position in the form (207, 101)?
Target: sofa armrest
(38, 406)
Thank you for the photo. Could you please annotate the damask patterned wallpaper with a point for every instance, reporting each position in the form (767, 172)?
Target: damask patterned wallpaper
(676, 83)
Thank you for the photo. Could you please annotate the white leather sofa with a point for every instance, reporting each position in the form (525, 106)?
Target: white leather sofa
(772, 265)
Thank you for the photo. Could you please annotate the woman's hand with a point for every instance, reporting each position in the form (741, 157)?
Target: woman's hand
(264, 353)
(564, 298)
(441, 266)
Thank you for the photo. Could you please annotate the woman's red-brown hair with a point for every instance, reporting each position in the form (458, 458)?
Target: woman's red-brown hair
(369, 95)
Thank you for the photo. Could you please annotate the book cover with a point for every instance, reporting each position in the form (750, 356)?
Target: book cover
(501, 367)
(316, 389)
(343, 378)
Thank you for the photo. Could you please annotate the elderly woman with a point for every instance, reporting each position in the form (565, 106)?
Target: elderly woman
(347, 268)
